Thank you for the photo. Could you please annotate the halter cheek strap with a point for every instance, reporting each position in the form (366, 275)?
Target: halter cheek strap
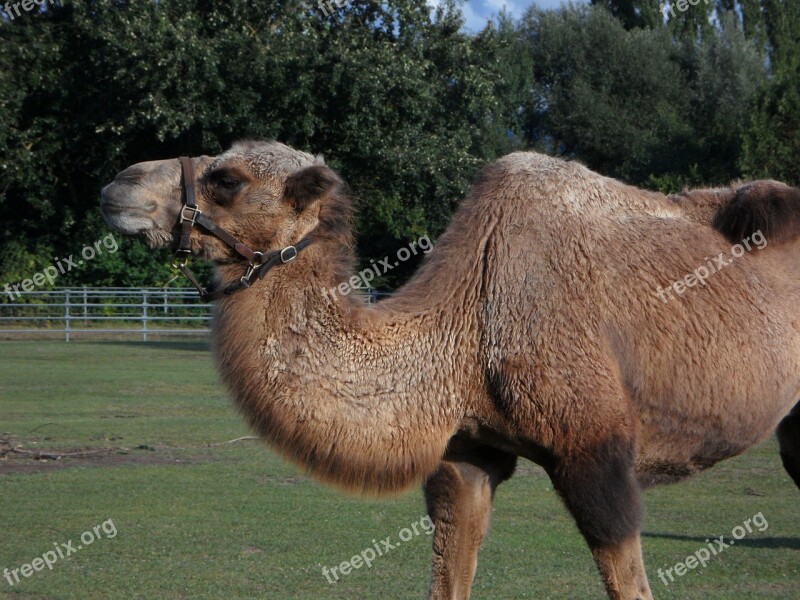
(258, 263)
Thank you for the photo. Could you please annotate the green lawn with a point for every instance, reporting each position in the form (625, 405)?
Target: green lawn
(197, 521)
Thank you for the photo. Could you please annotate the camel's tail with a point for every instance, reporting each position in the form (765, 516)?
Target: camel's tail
(766, 206)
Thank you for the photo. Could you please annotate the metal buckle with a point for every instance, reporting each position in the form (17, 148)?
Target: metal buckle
(180, 262)
(195, 213)
(285, 260)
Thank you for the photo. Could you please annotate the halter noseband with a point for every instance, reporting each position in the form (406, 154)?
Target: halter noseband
(258, 263)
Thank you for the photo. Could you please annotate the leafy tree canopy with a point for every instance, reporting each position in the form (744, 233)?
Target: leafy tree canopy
(396, 96)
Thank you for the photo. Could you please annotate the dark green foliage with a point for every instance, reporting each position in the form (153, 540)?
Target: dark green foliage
(640, 104)
(402, 102)
(722, 76)
(633, 13)
(772, 146)
(609, 96)
(399, 100)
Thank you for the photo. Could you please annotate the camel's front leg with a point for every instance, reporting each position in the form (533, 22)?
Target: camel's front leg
(600, 489)
(459, 500)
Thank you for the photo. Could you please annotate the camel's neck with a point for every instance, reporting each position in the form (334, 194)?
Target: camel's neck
(364, 397)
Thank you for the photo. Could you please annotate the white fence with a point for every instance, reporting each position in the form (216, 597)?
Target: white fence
(142, 312)
(139, 312)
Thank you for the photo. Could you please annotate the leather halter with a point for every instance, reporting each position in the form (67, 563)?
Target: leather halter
(258, 263)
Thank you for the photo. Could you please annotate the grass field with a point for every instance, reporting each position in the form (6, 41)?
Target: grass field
(196, 520)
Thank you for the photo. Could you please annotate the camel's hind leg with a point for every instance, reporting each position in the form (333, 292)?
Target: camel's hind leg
(788, 433)
(459, 500)
(600, 489)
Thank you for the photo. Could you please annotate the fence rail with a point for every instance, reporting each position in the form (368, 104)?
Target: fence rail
(138, 312)
(142, 312)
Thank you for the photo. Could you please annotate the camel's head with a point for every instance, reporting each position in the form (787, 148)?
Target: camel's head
(265, 194)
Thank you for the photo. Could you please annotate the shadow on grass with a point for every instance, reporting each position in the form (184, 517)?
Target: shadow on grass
(761, 542)
(195, 346)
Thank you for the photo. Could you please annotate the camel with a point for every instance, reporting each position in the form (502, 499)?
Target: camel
(533, 329)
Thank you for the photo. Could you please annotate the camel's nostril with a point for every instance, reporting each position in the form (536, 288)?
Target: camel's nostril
(130, 175)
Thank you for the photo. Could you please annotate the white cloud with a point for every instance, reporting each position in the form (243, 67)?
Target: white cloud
(509, 5)
(472, 20)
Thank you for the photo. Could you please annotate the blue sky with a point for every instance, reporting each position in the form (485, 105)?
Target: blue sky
(476, 12)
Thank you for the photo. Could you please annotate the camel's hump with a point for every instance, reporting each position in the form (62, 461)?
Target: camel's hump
(769, 207)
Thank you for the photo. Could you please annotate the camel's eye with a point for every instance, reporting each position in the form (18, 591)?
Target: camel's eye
(224, 185)
(228, 183)
(224, 180)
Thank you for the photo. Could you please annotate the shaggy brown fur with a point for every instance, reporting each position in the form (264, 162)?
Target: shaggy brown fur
(531, 330)
(769, 207)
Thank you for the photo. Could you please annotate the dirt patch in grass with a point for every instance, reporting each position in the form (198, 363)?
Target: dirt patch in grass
(77, 457)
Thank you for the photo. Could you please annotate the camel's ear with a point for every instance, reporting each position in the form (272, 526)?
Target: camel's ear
(309, 184)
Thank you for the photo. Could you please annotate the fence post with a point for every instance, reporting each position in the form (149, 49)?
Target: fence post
(85, 311)
(144, 315)
(66, 317)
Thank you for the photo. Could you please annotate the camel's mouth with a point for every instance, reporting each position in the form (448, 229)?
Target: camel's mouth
(127, 225)
(139, 202)
(122, 213)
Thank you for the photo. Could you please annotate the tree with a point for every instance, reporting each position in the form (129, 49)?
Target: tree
(772, 144)
(634, 13)
(609, 96)
(643, 104)
(723, 73)
(396, 97)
